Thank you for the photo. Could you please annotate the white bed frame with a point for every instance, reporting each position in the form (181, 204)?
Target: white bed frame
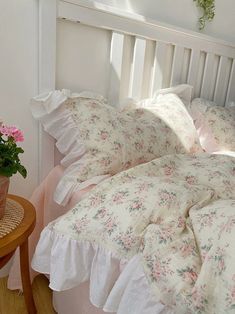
(145, 55)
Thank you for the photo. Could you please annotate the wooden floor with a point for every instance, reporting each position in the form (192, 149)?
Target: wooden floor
(13, 303)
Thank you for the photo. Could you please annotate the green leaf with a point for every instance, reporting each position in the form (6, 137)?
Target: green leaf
(208, 10)
(22, 171)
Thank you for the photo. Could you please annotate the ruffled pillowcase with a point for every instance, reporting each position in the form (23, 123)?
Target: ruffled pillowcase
(215, 125)
(98, 140)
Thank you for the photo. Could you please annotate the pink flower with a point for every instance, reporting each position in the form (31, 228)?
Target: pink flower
(168, 170)
(221, 265)
(181, 222)
(190, 276)
(190, 179)
(127, 241)
(13, 132)
(186, 250)
(118, 197)
(233, 293)
(157, 271)
(103, 135)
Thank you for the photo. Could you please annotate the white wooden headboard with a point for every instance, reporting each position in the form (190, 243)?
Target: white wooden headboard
(144, 55)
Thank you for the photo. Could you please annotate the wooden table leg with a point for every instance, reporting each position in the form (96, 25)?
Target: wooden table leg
(5, 259)
(27, 288)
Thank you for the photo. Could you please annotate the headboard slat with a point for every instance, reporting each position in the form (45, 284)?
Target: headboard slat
(137, 73)
(129, 42)
(167, 70)
(207, 83)
(231, 85)
(185, 66)
(222, 80)
(148, 68)
(177, 65)
(116, 57)
(159, 64)
(193, 68)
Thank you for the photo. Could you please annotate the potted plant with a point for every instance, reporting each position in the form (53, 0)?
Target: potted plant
(9, 160)
(208, 10)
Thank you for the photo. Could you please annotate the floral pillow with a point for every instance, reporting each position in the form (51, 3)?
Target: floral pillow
(99, 140)
(215, 125)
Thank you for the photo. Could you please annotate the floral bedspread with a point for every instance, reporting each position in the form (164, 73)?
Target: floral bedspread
(178, 213)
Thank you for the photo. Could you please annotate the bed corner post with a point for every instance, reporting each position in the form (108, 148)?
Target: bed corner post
(46, 71)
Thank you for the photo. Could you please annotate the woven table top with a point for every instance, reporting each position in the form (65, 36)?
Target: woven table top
(14, 214)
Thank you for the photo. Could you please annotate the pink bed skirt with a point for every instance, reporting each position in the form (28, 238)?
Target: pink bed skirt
(46, 211)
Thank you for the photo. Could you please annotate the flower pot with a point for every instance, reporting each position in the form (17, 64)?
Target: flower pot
(4, 185)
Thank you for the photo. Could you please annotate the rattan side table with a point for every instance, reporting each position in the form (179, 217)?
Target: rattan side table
(18, 237)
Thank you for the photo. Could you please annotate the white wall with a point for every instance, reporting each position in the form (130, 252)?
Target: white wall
(184, 13)
(19, 80)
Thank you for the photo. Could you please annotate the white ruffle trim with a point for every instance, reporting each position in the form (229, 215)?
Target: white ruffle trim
(116, 285)
(183, 91)
(49, 108)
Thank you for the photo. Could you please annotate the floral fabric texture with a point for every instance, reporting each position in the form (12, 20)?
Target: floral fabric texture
(215, 125)
(177, 213)
(108, 141)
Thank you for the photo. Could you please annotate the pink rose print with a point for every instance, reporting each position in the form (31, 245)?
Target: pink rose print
(157, 271)
(168, 170)
(144, 187)
(139, 146)
(199, 299)
(191, 179)
(96, 200)
(227, 226)
(105, 161)
(230, 298)
(187, 249)
(110, 225)
(166, 197)
(188, 275)
(128, 239)
(160, 268)
(119, 197)
(103, 135)
(81, 224)
(136, 205)
(219, 258)
(101, 213)
(181, 222)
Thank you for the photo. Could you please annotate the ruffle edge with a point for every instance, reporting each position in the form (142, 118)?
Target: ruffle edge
(116, 285)
(49, 108)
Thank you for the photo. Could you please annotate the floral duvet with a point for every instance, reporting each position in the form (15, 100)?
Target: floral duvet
(178, 214)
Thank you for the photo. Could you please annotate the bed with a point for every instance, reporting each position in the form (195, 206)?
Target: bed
(134, 57)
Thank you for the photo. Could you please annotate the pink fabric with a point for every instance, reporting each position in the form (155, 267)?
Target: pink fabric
(46, 211)
(205, 134)
(75, 301)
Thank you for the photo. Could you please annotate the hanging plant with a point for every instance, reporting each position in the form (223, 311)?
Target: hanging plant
(208, 7)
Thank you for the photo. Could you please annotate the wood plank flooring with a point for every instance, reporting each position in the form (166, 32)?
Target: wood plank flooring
(13, 303)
